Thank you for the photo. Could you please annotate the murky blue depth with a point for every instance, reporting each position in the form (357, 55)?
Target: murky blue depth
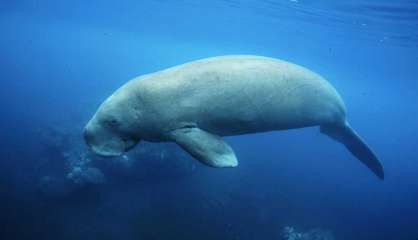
(60, 59)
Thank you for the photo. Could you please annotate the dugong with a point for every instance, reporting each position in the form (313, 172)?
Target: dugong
(197, 103)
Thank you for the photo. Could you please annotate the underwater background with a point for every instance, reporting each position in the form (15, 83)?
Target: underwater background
(60, 59)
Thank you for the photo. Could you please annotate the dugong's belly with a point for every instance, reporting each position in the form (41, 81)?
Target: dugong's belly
(236, 95)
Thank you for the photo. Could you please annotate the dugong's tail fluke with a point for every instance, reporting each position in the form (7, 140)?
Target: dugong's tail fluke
(347, 136)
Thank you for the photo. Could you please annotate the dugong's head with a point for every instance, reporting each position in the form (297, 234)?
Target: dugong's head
(113, 129)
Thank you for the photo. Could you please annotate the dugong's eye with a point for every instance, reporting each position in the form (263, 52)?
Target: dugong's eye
(112, 122)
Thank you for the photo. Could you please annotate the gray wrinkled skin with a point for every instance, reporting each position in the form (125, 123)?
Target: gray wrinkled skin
(197, 103)
(227, 95)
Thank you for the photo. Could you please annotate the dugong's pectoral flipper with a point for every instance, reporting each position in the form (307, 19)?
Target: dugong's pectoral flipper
(208, 148)
(352, 141)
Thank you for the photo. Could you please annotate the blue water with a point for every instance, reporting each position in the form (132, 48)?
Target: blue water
(60, 59)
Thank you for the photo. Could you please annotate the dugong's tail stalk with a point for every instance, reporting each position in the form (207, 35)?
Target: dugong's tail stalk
(352, 141)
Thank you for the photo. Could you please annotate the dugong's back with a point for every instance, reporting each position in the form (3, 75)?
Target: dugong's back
(238, 94)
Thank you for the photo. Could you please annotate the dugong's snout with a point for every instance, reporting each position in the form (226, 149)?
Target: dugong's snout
(105, 144)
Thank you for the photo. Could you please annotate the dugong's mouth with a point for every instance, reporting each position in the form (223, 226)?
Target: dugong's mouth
(106, 152)
(105, 147)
